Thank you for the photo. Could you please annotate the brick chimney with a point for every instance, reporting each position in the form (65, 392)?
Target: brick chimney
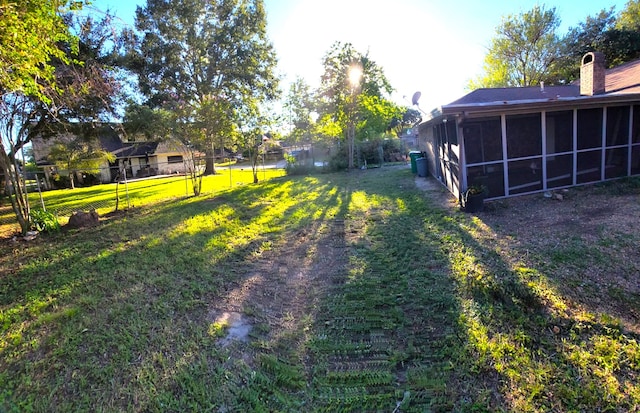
(592, 74)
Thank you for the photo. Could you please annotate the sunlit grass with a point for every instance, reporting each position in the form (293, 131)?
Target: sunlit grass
(401, 305)
(547, 353)
(135, 193)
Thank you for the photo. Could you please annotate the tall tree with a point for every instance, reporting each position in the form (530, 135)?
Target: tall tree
(29, 35)
(205, 58)
(78, 155)
(602, 32)
(78, 92)
(252, 128)
(523, 51)
(299, 105)
(350, 80)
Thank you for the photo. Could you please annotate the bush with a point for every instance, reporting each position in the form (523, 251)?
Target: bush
(339, 160)
(44, 221)
(295, 167)
(392, 150)
(300, 169)
(61, 181)
(89, 179)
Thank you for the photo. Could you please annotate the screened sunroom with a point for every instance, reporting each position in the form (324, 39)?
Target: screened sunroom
(526, 140)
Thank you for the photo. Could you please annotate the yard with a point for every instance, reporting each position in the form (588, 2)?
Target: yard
(362, 291)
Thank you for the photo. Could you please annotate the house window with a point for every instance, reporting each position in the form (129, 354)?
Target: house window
(524, 136)
(617, 125)
(559, 131)
(483, 141)
(589, 128)
(174, 159)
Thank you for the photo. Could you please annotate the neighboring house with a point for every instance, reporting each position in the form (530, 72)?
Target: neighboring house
(531, 139)
(138, 159)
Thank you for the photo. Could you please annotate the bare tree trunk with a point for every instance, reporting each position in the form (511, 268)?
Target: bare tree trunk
(117, 196)
(255, 169)
(194, 173)
(253, 158)
(210, 167)
(19, 200)
(351, 139)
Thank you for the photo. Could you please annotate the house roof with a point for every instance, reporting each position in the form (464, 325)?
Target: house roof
(511, 94)
(109, 141)
(623, 79)
(621, 83)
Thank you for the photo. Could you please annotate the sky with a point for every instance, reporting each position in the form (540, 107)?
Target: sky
(431, 46)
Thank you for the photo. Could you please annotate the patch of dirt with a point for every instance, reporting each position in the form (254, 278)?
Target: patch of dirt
(437, 193)
(282, 288)
(238, 327)
(596, 227)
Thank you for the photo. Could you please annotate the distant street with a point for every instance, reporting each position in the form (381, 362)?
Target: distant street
(281, 164)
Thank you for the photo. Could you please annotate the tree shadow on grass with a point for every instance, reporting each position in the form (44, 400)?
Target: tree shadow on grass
(468, 329)
(123, 308)
(527, 349)
(361, 295)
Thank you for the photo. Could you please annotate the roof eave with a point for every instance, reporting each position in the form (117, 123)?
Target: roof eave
(533, 104)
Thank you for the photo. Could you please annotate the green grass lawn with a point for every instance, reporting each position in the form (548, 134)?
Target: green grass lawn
(135, 193)
(362, 292)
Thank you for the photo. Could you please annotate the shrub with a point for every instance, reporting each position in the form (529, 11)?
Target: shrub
(295, 167)
(89, 179)
(392, 150)
(44, 221)
(339, 161)
(61, 181)
(300, 169)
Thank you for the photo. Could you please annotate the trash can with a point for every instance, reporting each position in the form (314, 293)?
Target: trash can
(413, 155)
(422, 167)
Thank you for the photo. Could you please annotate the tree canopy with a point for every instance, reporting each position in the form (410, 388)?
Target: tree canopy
(527, 49)
(523, 51)
(78, 155)
(67, 88)
(629, 18)
(602, 32)
(203, 59)
(352, 101)
(299, 105)
(30, 33)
